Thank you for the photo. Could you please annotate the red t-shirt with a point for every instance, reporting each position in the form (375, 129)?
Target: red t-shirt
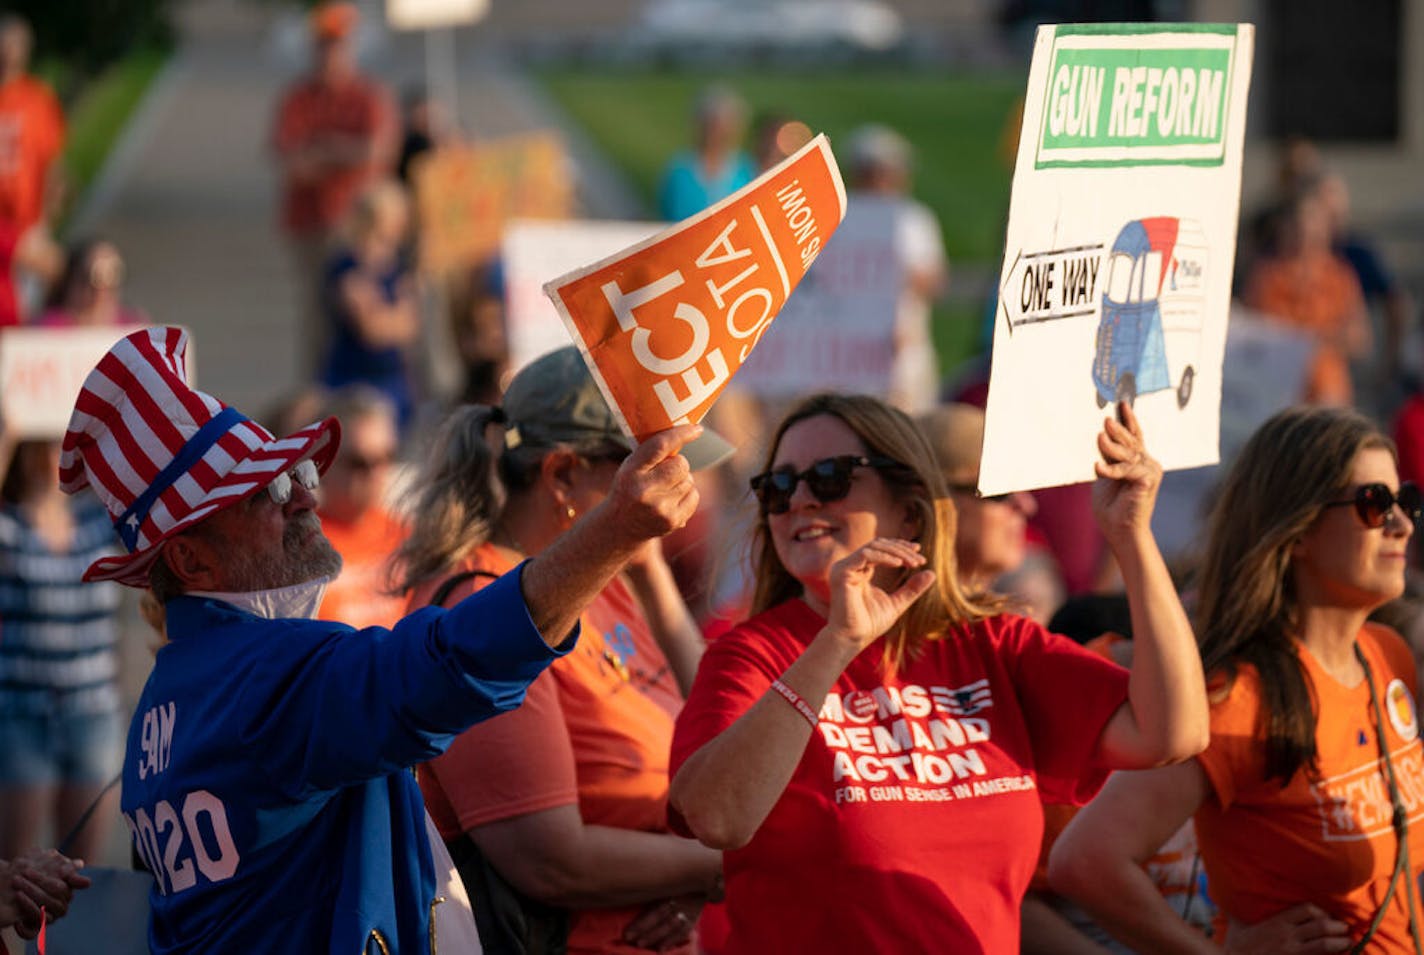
(912, 822)
(1326, 840)
(593, 730)
(357, 109)
(1409, 437)
(9, 300)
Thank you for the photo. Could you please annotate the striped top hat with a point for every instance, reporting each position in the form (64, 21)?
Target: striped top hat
(163, 456)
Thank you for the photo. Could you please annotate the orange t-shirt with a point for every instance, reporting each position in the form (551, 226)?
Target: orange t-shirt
(358, 596)
(1321, 295)
(1326, 840)
(31, 137)
(595, 730)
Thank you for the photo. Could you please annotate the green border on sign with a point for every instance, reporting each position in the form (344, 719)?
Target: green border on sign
(1108, 163)
(1136, 29)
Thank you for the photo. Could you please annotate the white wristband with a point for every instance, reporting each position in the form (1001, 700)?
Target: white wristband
(794, 698)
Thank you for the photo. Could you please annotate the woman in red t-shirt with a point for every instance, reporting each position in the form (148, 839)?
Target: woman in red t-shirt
(1309, 800)
(871, 744)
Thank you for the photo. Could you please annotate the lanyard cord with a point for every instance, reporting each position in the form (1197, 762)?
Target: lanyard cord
(1399, 820)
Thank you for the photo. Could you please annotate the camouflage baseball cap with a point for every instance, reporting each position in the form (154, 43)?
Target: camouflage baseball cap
(555, 399)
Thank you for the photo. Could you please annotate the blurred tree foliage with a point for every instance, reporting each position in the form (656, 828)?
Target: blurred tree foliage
(76, 39)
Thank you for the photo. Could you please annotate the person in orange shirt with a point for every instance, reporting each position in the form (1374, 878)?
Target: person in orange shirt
(353, 511)
(556, 813)
(1307, 801)
(31, 130)
(1308, 285)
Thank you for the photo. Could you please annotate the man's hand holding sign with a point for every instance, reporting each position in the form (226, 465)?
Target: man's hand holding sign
(666, 324)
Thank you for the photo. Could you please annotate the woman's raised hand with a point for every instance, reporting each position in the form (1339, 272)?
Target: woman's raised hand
(862, 609)
(1128, 478)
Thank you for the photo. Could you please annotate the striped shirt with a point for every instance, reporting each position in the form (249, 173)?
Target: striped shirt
(57, 634)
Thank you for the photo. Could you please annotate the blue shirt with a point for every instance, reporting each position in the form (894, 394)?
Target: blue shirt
(350, 358)
(57, 633)
(266, 778)
(687, 190)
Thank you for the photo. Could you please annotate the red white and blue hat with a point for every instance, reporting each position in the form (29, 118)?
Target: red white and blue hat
(163, 456)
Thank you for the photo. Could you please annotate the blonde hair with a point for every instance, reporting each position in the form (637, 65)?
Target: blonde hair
(371, 206)
(918, 484)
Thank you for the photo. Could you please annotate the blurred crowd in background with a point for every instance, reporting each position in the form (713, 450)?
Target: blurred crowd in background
(348, 152)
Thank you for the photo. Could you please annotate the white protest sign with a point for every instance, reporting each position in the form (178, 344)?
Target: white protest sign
(1116, 279)
(839, 326)
(536, 250)
(41, 372)
(431, 14)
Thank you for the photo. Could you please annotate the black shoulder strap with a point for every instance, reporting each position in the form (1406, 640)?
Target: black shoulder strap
(442, 593)
(67, 842)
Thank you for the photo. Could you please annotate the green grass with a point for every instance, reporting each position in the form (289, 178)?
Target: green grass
(100, 112)
(955, 123)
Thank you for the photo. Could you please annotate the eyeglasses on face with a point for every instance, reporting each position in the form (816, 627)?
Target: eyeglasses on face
(363, 464)
(828, 479)
(304, 473)
(1375, 502)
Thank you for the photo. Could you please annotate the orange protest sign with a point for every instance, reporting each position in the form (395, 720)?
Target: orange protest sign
(665, 324)
(465, 194)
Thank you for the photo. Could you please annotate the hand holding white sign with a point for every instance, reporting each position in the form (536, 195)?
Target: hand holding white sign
(1122, 227)
(1128, 478)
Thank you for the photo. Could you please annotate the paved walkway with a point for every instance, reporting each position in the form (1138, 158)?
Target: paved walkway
(190, 198)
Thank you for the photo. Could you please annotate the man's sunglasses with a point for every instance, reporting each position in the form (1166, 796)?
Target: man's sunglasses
(828, 479)
(305, 474)
(1375, 502)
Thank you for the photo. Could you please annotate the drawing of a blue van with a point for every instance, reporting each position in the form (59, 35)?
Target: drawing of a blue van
(1153, 295)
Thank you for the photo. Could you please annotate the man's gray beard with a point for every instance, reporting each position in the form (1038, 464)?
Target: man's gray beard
(300, 561)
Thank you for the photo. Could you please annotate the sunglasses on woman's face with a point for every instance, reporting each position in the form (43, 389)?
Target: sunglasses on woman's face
(828, 479)
(1375, 502)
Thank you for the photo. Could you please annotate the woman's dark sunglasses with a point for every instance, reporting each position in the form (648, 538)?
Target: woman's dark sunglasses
(828, 479)
(1375, 502)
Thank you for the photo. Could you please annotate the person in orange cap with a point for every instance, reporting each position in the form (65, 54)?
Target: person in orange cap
(335, 133)
(32, 123)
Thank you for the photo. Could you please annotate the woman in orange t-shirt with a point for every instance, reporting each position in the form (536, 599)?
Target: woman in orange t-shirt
(565, 798)
(1309, 801)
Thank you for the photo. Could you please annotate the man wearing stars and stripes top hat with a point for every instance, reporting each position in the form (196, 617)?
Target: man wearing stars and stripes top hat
(265, 778)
